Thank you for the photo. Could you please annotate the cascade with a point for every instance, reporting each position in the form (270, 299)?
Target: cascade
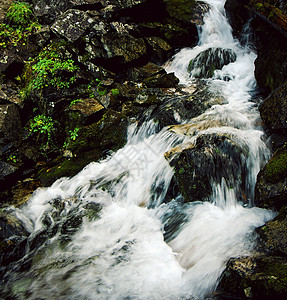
(107, 232)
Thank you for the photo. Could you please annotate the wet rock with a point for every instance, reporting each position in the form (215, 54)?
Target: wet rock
(10, 124)
(238, 14)
(271, 63)
(273, 111)
(273, 235)
(182, 106)
(213, 158)
(205, 63)
(13, 235)
(271, 185)
(255, 277)
(186, 10)
(72, 24)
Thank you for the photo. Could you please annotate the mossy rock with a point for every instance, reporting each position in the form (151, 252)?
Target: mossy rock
(274, 234)
(271, 186)
(276, 168)
(94, 142)
(255, 277)
(180, 9)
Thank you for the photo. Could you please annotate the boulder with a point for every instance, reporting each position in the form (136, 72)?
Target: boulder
(271, 185)
(89, 109)
(238, 14)
(13, 236)
(257, 277)
(273, 111)
(211, 160)
(10, 124)
(273, 235)
(183, 106)
(205, 63)
(72, 24)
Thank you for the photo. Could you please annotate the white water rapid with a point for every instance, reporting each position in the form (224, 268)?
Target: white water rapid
(121, 252)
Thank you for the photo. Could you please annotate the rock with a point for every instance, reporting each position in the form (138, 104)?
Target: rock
(213, 158)
(162, 80)
(273, 111)
(7, 57)
(40, 37)
(6, 170)
(205, 63)
(273, 235)
(9, 93)
(161, 50)
(89, 109)
(13, 235)
(72, 24)
(271, 185)
(4, 5)
(271, 62)
(48, 10)
(10, 124)
(238, 14)
(180, 9)
(94, 142)
(182, 106)
(255, 277)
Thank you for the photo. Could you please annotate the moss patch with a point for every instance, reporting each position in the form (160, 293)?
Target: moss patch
(276, 168)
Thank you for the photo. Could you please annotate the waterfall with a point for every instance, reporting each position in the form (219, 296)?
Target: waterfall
(107, 233)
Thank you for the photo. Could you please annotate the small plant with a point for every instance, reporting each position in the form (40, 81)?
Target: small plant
(101, 91)
(49, 68)
(76, 101)
(44, 127)
(12, 158)
(73, 136)
(115, 92)
(20, 23)
(74, 133)
(20, 13)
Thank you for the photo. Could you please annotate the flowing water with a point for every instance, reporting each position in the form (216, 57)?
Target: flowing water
(107, 233)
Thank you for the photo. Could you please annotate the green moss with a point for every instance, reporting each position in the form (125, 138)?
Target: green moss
(180, 9)
(276, 168)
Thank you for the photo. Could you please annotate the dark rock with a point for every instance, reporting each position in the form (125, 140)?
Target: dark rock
(205, 63)
(7, 57)
(72, 24)
(6, 169)
(273, 111)
(10, 124)
(273, 235)
(9, 93)
(271, 63)
(12, 236)
(271, 185)
(213, 158)
(238, 14)
(40, 37)
(181, 106)
(255, 277)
